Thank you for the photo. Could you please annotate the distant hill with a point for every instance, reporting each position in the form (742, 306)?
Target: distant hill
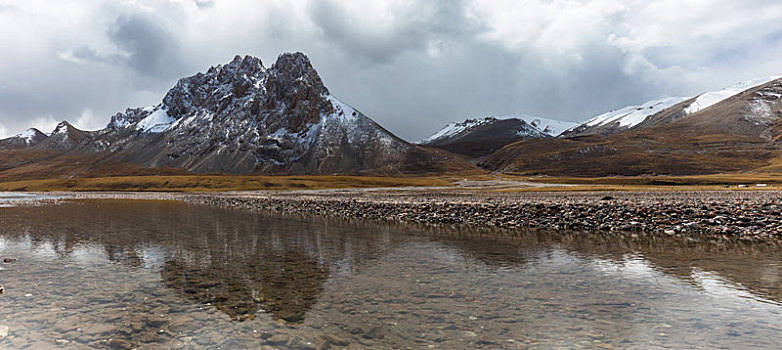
(707, 134)
(482, 136)
(658, 112)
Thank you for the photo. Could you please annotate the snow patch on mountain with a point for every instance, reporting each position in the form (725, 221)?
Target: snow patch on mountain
(762, 103)
(28, 135)
(158, 121)
(547, 126)
(711, 98)
(631, 116)
(454, 129)
(61, 128)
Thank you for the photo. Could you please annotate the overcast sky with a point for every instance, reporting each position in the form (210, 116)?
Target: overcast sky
(413, 66)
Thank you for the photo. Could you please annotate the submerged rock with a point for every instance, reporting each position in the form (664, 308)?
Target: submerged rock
(4, 330)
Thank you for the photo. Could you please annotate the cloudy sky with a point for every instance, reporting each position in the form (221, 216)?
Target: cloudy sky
(411, 65)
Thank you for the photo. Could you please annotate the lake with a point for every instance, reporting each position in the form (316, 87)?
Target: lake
(164, 274)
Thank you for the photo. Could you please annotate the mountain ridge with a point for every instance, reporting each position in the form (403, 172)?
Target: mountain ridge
(479, 137)
(641, 116)
(243, 118)
(740, 133)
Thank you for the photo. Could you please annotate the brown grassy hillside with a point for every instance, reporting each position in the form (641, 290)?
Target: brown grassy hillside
(733, 135)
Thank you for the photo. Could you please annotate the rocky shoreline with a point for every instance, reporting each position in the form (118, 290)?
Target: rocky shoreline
(753, 216)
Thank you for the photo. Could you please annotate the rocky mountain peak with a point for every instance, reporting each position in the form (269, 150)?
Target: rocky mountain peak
(295, 66)
(62, 128)
(295, 95)
(64, 137)
(123, 119)
(241, 117)
(241, 67)
(32, 134)
(29, 137)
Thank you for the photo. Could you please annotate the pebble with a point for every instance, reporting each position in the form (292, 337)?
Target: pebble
(277, 340)
(119, 344)
(4, 330)
(2, 289)
(334, 340)
(744, 215)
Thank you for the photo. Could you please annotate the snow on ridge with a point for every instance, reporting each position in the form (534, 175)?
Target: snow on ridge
(61, 128)
(157, 122)
(546, 126)
(27, 135)
(342, 110)
(711, 98)
(453, 129)
(631, 116)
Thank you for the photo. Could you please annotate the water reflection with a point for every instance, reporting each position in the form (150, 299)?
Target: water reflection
(756, 267)
(287, 285)
(239, 263)
(164, 273)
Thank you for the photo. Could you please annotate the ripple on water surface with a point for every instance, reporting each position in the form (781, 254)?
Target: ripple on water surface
(166, 274)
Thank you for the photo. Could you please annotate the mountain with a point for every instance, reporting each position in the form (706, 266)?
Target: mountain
(481, 136)
(65, 137)
(737, 133)
(28, 138)
(658, 112)
(242, 118)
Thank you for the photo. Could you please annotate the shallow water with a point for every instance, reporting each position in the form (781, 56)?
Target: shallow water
(12, 199)
(156, 274)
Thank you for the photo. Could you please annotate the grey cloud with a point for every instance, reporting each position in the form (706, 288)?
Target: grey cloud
(151, 50)
(431, 64)
(408, 33)
(86, 54)
(204, 3)
(418, 95)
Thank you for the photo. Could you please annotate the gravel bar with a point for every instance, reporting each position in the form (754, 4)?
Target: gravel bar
(736, 214)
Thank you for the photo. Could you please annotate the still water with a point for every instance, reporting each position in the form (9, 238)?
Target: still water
(156, 274)
(11, 199)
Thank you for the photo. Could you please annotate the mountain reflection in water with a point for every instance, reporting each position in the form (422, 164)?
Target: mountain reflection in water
(359, 279)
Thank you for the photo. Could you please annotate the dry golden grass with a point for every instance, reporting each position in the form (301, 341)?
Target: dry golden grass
(716, 180)
(215, 183)
(638, 188)
(196, 183)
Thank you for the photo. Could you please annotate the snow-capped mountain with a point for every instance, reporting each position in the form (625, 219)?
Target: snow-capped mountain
(481, 136)
(65, 137)
(741, 132)
(634, 117)
(242, 117)
(28, 138)
(711, 98)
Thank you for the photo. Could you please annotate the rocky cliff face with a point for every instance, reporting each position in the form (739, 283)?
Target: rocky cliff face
(242, 117)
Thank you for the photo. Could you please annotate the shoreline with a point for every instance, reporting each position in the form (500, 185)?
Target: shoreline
(749, 216)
